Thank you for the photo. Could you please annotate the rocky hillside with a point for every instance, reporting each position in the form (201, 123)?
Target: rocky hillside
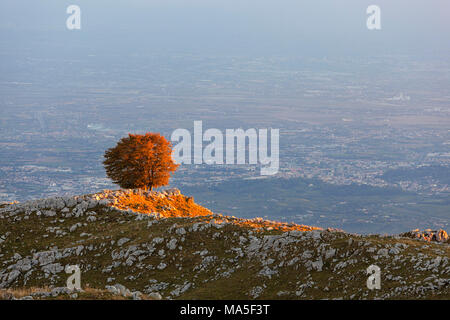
(163, 245)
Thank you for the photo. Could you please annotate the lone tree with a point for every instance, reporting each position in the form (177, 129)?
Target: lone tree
(140, 161)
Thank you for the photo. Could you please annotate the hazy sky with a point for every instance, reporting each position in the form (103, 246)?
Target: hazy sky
(318, 27)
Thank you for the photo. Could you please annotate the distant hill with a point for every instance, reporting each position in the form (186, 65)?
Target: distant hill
(163, 245)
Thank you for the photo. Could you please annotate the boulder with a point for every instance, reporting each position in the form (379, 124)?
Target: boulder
(428, 235)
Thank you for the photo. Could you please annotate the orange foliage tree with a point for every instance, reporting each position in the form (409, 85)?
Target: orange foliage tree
(140, 161)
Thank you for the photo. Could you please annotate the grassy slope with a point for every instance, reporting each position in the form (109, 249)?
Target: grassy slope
(210, 280)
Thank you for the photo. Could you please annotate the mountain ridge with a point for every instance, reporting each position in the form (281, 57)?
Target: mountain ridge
(163, 244)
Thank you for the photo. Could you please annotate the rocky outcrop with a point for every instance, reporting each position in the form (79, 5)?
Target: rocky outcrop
(428, 235)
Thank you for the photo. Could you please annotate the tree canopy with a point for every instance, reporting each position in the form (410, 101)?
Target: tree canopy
(140, 161)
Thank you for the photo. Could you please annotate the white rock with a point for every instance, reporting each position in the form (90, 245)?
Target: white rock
(172, 244)
(162, 266)
(122, 241)
(180, 231)
(155, 295)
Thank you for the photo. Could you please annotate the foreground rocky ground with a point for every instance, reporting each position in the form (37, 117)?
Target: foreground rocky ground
(161, 250)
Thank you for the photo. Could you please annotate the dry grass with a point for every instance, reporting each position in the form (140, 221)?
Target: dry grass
(86, 294)
(174, 206)
(180, 206)
(21, 292)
